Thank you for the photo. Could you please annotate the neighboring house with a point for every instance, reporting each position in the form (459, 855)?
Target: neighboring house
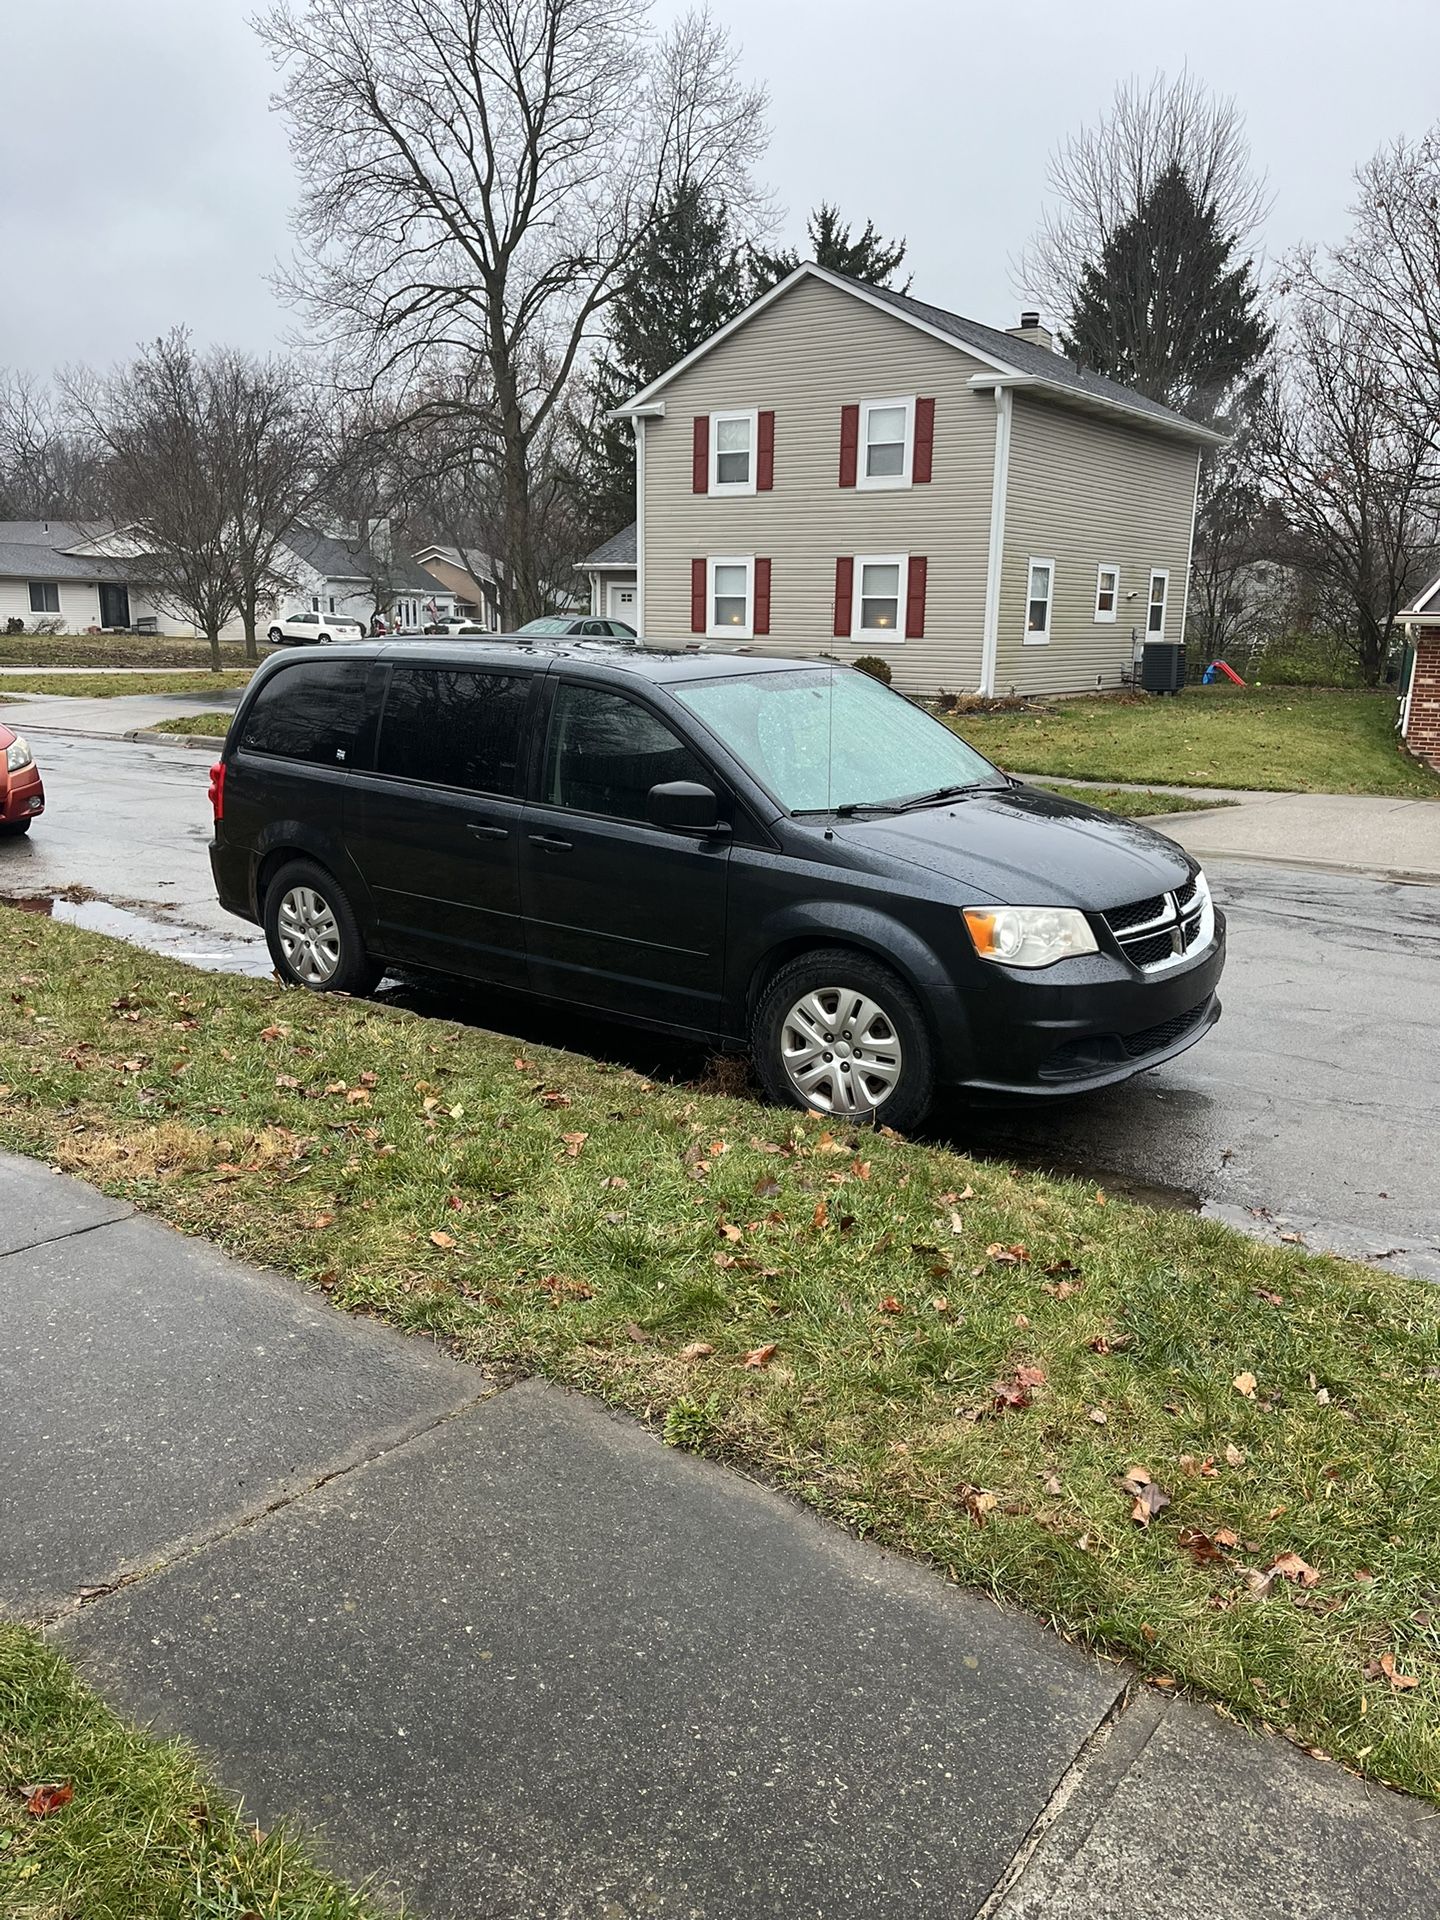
(69, 577)
(610, 569)
(471, 576)
(844, 470)
(329, 573)
(1420, 700)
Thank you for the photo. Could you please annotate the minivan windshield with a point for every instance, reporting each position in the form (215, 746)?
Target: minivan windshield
(826, 738)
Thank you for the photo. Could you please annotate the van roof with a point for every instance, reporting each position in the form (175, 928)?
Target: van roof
(532, 650)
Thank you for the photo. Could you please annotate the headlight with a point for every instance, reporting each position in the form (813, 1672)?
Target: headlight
(1029, 936)
(18, 755)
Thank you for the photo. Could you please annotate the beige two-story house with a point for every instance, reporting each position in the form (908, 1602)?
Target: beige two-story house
(845, 470)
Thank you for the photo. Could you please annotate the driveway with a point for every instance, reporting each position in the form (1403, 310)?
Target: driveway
(1309, 1110)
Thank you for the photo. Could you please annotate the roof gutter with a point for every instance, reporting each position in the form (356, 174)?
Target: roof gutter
(1175, 427)
(638, 410)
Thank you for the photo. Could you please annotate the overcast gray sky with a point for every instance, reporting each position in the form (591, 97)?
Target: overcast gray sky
(144, 181)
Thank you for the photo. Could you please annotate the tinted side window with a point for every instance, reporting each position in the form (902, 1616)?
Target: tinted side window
(310, 712)
(454, 729)
(605, 753)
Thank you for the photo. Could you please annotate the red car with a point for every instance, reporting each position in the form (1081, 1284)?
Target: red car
(22, 793)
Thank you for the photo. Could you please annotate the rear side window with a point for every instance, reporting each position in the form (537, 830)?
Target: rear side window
(310, 712)
(605, 753)
(454, 729)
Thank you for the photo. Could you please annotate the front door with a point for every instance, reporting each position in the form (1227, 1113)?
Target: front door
(621, 603)
(619, 914)
(434, 824)
(114, 604)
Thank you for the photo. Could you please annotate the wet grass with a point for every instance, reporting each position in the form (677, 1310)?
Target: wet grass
(213, 725)
(115, 650)
(958, 1359)
(137, 1832)
(1283, 740)
(1121, 800)
(109, 686)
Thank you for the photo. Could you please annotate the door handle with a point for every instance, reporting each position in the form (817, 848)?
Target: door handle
(550, 843)
(483, 831)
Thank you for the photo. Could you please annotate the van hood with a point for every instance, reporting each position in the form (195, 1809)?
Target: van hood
(1018, 846)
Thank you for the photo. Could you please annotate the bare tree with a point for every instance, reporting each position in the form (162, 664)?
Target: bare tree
(46, 472)
(161, 426)
(1347, 460)
(1101, 176)
(477, 174)
(1392, 261)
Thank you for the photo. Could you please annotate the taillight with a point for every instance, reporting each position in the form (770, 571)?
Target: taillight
(217, 789)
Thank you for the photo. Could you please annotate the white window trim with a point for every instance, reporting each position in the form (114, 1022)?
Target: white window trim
(1157, 573)
(712, 631)
(891, 636)
(1103, 619)
(1038, 639)
(722, 487)
(882, 482)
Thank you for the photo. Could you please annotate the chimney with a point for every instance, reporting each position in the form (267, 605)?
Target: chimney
(1030, 329)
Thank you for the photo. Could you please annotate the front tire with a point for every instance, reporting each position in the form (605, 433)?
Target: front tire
(276, 637)
(13, 827)
(313, 934)
(841, 1034)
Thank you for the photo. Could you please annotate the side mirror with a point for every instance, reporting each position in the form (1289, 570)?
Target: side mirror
(685, 806)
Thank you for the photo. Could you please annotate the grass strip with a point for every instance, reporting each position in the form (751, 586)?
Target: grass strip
(136, 1832)
(214, 725)
(1279, 740)
(109, 686)
(116, 650)
(1121, 800)
(984, 1367)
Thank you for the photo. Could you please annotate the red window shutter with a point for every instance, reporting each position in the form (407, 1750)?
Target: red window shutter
(700, 456)
(849, 447)
(915, 598)
(924, 454)
(765, 454)
(844, 592)
(698, 621)
(761, 623)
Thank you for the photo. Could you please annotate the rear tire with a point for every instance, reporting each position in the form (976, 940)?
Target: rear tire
(276, 637)
(841, 1034)
(313, 934)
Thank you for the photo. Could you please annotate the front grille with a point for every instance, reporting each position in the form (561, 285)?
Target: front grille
(1136, 914)
(1154, 1039)
(1149, 948)
(1158, 931)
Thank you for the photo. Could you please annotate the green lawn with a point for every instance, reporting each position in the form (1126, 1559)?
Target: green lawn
(107, 686)
(216, 725)
(1134, 806)
(1279, 739)
(100, 1822)
(114, 650)
(960, 1360)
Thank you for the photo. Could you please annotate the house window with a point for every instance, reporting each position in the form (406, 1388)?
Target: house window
(1039, 593)
(1107, 592)
(1159, 587)
(731, 598)
(887, 436)
(44, 596)
(315, 603)
(732, 452)
(332, 603)
(880, 587)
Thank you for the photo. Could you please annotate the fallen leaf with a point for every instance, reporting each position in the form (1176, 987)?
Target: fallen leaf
(521, 1065)
(1149, 1498)
(1206, 1549)
(1235, 1456)
(889, 1304)
(1053, 1485)
(368, 1079)
(266, 1033)
(321, 1221)
(1289, 1566)
(765, 1188)
(977, 1503)
(439, 1239)
(1099, 1416)
(637, 1333)
(358, 1097)
(820, 1215)
(1245, 1383)
(286, 1080)
(617, 1180)
(1059, 1289)
(457, 1113)
(1007, 1256)
(762, 1356)
(574, 1142)
(1399, 1681)
(1017, 1390)
(731, 1232)
(48, 1799)
(697, 1350)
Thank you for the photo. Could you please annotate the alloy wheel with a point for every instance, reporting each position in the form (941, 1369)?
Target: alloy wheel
(841, 1050)
(309, 936)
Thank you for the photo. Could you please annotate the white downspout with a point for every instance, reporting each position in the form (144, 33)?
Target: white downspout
(1190, 550)
(999, 487)
(638, 421)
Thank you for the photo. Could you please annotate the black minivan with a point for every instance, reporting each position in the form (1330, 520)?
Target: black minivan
(772, 852)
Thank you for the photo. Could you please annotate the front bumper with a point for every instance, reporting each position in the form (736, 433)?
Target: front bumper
(1037, 1037)
(22, 794)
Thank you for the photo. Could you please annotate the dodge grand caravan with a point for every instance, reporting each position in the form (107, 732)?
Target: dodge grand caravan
(779, 853)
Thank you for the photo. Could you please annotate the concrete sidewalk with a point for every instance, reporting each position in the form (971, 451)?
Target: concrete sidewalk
(1386, 837)
(511, 1654)
(112, 718)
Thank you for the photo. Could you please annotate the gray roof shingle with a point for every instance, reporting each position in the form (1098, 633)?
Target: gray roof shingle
(618, 551)
(23, 560)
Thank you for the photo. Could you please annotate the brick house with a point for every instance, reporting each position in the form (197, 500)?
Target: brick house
(1420, 701)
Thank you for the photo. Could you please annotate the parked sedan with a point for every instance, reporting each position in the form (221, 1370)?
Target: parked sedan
(318, 628)
(22, 793)
(581, 626)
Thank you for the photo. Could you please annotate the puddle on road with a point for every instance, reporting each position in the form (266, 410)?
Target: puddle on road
(211, 952)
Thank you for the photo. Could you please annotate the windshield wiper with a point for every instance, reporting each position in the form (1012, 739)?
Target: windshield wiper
(938, 794)
(867, 806)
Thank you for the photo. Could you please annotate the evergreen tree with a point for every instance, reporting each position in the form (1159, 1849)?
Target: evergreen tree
(1169, 306)
(688, 281)
(868, 258)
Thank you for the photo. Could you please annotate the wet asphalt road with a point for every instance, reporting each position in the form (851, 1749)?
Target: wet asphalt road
(1314, 1107)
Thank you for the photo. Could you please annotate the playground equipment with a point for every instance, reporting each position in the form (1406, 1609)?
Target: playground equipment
(1213, 672)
